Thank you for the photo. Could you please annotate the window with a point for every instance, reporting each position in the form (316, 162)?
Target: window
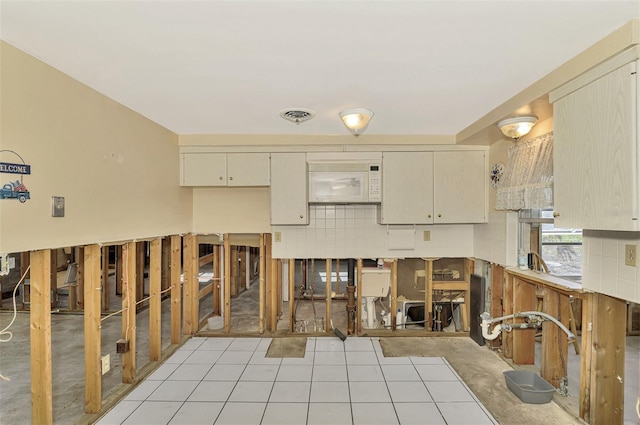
(561, 249)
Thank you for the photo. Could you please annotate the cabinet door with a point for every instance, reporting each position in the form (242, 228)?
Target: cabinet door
(460, 187)
(289, 188)
(407, 188)
(595, 154)
(248, 169)
(203, 169)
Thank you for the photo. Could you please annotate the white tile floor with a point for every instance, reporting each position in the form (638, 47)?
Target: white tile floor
(230, 381)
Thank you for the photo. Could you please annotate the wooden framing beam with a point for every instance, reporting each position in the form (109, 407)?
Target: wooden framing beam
(524, 299)
(80, 278)
(394, 295)
(155, 283)
(40, 317)
(118, 269)
(607, 348)
(176, 288)
(507, 306)
(262, 289)
(273, 308)
(359, 298)
(269, 284)
(129, 286)
(554, 348)
(217, 280)
(53, 277)
(227, 283)
(327, 322)
(105, 279)
(292, 294)
(586, 340)
(92, 332)
(190, 284)
(140, 260)
(280, 280)
(428, 294)
(165, 269)
(497, 285)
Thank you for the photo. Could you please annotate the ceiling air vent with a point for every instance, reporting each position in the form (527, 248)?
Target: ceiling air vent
(297, 115)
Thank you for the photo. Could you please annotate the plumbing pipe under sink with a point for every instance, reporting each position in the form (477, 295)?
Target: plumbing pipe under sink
(535, 318)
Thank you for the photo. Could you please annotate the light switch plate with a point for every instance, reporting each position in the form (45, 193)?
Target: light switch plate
(426, 235)
(278, 236)
(57, 206)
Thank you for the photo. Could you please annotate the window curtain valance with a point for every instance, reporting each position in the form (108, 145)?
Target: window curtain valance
(528, 177)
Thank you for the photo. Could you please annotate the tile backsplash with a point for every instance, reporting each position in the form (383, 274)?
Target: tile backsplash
(352, 231)
(603, 265)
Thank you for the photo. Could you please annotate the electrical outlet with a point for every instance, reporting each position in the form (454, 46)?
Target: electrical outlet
(426, 235)
(278, 236)
(630, 255)
(106, 364)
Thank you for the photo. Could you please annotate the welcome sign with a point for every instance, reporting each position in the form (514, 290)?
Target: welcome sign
(8, 167)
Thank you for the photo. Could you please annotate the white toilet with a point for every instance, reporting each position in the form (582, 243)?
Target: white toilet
(375, 284)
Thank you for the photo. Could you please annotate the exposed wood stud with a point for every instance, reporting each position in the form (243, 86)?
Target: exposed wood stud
(394, 294)
(54, 278)
(262, 288)
(140, 260)
(359, 299)
(524, 299)
(327, 322)
(428, 294)
(118, 269)
(607, 360)
(105, 278)
(92, 333)
(40, 317)
(292, 295)
(129, 287)
(190, 285)
(554, 347)
(176, 288)
(497, 280)
(507, 306)
(216, 283)
(227, 283)
(269, 284)
(165, 272)
(155, 283)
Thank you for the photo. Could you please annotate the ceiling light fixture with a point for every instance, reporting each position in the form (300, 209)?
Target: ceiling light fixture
(356, 119)
(517, 127)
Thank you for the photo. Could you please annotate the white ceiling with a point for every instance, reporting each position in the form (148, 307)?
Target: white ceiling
(423, 67)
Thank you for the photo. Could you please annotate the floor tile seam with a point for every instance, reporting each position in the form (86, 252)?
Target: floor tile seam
(348, 388)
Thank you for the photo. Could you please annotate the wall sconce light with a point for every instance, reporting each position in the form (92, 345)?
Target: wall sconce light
(356, 119)
(517, 127)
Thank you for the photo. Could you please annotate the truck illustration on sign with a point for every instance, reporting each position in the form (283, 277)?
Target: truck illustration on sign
(14, 190)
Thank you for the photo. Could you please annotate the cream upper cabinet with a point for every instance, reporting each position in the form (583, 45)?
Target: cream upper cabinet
(434, 187)
(407, 188)
(460, 187)
(289, 189)
(596, 153)
(225, 169)
(203, 169)
(248, 169)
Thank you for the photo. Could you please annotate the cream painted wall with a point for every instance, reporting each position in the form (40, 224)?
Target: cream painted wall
(117, 170)
(231, 210)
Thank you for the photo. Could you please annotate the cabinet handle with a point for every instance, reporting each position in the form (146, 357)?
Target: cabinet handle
(230, 178)
(429, 216)
(439, 215)
(220, 177)
(301, 216)
(556, 214)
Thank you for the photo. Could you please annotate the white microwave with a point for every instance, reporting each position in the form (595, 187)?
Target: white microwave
(345, 182)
